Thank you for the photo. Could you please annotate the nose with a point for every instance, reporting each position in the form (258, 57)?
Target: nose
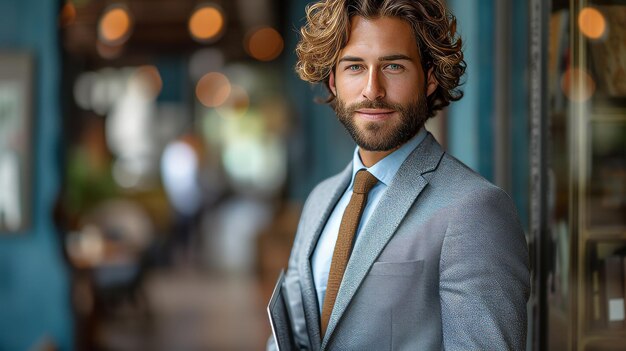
(374, 90)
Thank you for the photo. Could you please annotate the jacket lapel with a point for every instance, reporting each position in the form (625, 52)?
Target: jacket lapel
(322, 206)
(392, 208)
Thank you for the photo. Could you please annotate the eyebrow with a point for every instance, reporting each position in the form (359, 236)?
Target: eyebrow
(382, 58)
(394, 58)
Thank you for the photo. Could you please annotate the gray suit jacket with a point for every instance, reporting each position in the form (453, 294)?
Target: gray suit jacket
(441, 264)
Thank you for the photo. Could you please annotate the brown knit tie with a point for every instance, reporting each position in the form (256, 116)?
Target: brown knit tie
(363, 182)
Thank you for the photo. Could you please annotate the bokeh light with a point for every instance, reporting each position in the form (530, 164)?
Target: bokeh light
(264, 44)
(206, 23)
(179, 169)
(151, 78)
(82, 89)
(213, 89)
(86, 247)
(592, 23)
(115, 25)
(577, 84)
(124, 175)
(108, 51)
(68, 14)
(237, 103)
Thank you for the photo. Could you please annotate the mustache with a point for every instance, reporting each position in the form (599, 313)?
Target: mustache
(376, 104)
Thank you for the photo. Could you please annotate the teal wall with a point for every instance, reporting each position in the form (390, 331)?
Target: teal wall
(470, 120)
(320, 147)
(34, 286)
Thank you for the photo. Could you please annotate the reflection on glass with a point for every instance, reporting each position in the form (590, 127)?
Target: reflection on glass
(604, 193)
(607, 182)
(577, 84)
(608, 55)
(561, 90)
(605, 286)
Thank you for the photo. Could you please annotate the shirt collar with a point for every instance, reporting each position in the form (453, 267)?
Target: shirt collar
(385, 170)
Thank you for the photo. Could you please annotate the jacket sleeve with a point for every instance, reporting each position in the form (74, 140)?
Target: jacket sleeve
(484, 275)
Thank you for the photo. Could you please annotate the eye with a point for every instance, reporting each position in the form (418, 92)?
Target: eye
(394, 67)
(353, 68)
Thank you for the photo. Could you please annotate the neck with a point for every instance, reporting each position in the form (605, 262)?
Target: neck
(370, 158)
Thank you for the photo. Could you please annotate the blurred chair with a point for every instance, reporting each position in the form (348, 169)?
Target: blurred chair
(112, 251)
(128, 236)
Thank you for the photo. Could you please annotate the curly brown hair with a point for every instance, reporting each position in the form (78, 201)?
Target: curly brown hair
(328, 26)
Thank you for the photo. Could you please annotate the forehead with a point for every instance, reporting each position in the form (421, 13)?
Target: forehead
(380, 36)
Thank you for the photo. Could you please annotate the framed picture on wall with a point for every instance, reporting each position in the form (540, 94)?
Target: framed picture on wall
(16, 101)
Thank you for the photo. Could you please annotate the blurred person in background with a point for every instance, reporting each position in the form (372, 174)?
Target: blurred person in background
(406, 246)
(180, 166)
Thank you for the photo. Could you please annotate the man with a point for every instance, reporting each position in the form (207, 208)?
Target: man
(406, 248)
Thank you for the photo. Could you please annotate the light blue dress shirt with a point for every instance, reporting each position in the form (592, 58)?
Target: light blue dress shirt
(384, 170)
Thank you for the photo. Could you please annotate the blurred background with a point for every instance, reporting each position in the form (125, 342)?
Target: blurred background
(155, 156)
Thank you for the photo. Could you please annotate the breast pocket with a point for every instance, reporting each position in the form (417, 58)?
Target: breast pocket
(402, 269)
(385, 307)
(396, 290)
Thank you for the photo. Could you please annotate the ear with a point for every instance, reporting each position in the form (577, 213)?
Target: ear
(331, 82)
(431, 82)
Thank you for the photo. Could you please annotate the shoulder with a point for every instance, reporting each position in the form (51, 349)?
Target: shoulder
(469, 196)
(464, 182)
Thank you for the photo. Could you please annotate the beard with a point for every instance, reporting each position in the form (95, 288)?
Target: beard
(385, 135)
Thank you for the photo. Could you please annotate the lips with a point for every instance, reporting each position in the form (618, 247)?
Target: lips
(375, 114)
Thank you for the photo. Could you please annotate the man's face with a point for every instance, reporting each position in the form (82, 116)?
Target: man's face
(379, 84)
